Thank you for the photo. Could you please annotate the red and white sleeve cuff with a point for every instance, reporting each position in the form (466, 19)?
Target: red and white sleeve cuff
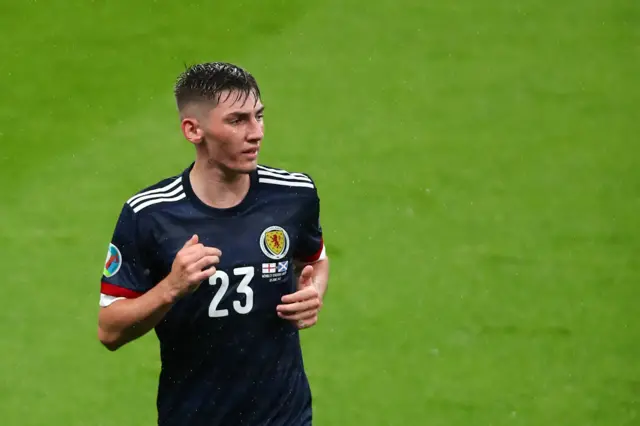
(110, 293)
(317, 256)
(106, 300)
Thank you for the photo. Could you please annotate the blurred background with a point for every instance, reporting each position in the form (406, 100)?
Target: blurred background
(477, 163)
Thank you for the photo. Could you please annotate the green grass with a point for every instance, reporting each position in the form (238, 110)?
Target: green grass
(478, 167)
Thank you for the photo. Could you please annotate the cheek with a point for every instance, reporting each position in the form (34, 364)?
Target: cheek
(227, 141)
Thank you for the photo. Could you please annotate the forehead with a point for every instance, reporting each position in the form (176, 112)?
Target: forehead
(236, 101)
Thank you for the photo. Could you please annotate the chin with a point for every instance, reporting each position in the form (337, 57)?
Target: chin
(246, 167)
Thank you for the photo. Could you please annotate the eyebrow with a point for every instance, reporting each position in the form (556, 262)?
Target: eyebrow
(244, 114)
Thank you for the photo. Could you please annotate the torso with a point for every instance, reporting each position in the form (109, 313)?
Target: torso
(224, 344)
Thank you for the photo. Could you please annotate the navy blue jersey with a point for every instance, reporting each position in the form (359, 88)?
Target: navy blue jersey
(227, 358)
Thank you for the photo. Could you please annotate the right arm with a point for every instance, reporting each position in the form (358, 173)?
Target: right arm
(130, 305)
(128, 319)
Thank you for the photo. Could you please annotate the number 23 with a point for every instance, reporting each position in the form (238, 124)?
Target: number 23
(222, 278)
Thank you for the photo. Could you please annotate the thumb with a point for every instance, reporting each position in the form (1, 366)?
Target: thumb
(192, 241)
(306, 276)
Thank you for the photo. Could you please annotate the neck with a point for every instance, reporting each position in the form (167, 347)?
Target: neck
(217, 187)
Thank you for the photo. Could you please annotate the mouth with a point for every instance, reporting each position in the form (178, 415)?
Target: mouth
(251, 152)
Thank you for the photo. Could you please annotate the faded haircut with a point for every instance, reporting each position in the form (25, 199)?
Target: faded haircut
(207, 82)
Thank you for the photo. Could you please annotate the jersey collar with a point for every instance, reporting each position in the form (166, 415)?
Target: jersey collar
(200, 205)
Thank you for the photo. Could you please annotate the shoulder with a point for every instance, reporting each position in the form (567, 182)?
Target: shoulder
(132, 223)
(164, 192)
(280, 180)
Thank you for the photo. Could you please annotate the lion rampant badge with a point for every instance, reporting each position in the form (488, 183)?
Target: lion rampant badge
(274, 242)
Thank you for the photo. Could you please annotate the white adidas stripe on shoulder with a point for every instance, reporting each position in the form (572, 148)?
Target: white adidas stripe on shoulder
(272, 169)
(166, 188)
(159, 200)
(272, 176)
(168, 193)
(139, 200)
(282, 173)
(290, 176)
(286, 182)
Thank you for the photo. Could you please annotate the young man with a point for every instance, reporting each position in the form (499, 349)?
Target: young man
(207, 258)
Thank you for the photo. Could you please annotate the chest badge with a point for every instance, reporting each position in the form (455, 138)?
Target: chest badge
(274, 242)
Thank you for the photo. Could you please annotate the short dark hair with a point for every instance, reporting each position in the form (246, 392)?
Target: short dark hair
(207, 81)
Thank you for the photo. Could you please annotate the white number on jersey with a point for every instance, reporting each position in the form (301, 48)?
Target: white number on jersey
(222, 277)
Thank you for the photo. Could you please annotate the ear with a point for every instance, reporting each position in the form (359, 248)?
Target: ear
(191, 130)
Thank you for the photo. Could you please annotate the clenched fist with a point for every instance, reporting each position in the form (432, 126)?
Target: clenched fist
(302, 307)
(193, 264)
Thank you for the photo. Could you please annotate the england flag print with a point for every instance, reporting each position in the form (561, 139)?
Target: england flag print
(268, 268)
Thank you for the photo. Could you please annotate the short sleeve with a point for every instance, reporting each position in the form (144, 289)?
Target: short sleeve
(125, 274)
(311, 242)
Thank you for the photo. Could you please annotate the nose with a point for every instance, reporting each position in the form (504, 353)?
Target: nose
(256, 131)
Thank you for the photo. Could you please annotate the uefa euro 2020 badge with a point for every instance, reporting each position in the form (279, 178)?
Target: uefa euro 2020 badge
(113, 262)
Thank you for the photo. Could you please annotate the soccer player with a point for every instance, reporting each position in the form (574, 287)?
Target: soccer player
(225, 261)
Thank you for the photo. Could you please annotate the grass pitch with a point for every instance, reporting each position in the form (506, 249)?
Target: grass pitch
(478, 168)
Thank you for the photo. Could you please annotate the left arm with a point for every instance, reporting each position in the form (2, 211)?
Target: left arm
(320, 277)
(302, 307)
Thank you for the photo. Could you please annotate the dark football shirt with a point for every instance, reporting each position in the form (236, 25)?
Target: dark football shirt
(227, 358)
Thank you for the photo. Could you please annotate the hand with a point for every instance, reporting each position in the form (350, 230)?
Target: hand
(188, 269)
(302, 307)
